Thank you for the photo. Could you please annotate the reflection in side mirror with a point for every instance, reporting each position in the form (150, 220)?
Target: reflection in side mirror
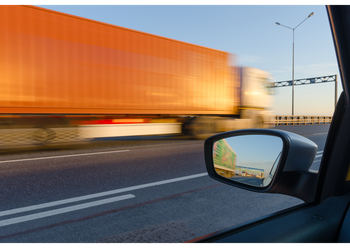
(248, 159)
(269, 177)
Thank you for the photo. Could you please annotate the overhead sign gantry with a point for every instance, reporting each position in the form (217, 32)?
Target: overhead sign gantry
(308, 81)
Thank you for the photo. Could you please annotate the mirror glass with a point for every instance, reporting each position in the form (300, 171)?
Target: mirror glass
(248, 159)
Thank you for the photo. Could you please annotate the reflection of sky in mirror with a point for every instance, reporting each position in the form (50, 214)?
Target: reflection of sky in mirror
(256, 151)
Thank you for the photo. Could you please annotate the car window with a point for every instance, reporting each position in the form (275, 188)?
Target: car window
(104, 111)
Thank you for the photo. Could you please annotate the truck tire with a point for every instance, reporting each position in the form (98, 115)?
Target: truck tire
(259, 122)
(202, 127)
(186, 127)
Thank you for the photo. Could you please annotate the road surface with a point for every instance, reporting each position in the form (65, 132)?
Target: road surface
(138, 189)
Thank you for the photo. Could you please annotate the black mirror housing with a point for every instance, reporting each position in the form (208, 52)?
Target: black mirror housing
(292, 176)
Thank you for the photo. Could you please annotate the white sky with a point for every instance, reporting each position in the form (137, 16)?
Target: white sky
(248, 31)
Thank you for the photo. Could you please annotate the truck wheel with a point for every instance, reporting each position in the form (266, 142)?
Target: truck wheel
(259, 122)
(186, 127)
(202, 128)
(43, 136)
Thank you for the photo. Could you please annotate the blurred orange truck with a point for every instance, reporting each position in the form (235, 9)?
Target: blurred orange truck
(62, 72)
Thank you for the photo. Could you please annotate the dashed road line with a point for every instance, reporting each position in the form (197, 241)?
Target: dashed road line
(62, 210)
(101, 194)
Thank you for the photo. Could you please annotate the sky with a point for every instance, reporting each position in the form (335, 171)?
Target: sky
(265, 156)
(250, 33)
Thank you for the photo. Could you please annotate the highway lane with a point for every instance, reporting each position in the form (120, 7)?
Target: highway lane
(316, 133)
(119, 191)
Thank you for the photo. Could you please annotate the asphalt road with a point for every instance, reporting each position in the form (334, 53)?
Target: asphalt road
(138, 189)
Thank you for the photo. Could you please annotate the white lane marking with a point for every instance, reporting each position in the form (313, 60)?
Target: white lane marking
(318, 133)
(62, 156)
(319, 154)
(62, 210)
(86, 197)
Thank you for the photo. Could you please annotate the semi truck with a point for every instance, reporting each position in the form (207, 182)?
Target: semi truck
(224, 159)
(66, 78)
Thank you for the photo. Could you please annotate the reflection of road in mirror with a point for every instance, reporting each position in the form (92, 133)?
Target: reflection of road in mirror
(248, 159)
(254, 181)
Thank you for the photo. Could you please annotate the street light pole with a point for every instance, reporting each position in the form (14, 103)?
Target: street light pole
(277, 23)
(293, 78)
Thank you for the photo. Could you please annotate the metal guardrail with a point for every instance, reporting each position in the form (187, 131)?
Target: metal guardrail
(301, 120)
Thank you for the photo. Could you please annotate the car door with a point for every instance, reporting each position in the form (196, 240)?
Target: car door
(325, 218)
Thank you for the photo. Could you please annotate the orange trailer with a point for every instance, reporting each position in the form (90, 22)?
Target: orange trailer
(54, 63)
(60, 70)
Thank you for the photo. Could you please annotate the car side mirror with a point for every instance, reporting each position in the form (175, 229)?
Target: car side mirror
(263, 160)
